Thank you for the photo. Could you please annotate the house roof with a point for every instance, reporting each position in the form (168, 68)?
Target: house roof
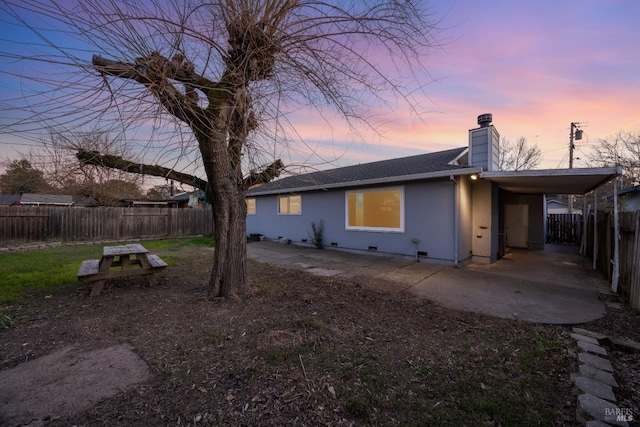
(184, 197)
(553, 181)
(630, 190)
(9, 199)
(142, 202)
(558, 202)
(422, 166)
(46, 199)
(635, 189)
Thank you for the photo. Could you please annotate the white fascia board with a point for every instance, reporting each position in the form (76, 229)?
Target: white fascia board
(368, 182)
(455, 161)
(617, 170)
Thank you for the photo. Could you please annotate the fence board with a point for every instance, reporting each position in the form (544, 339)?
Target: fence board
(30, 223)
(629, 247)
(634, 292)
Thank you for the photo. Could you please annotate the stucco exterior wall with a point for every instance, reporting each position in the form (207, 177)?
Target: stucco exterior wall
(466, 219)
(429, 217)
(485, 222)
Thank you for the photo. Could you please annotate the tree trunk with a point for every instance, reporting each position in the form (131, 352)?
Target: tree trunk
(227, 195)
(229, 267)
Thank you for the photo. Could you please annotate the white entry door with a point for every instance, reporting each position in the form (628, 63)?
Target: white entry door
(517, 223)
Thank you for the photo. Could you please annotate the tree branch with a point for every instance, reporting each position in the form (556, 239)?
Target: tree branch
(156, 72)
(115, 162)
(270, 172)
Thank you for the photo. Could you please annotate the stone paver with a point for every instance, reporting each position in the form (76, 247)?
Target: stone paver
(580, 337)
(592, 348)
(595, 361)
(595, 388)
(591, 407)
(596, 335)
(589, 371)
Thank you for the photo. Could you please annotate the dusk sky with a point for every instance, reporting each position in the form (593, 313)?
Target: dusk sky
(536, 66)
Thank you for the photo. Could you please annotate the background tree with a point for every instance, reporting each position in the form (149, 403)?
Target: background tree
(622, 149)
(159, 192)
(225, 74)
(518, 156)
(20, 177)
(56, 158)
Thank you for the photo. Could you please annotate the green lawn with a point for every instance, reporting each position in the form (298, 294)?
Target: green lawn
(24, 272)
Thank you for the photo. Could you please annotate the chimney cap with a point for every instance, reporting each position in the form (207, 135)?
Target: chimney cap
(484, 120)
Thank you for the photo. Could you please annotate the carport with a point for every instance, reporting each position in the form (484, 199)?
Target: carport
(538, 183)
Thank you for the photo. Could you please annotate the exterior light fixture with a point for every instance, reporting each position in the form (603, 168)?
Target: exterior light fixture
(474, 177)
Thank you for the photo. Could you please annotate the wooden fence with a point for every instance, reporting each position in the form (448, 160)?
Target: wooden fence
(31, 224)
(564, 228)
(629, 251)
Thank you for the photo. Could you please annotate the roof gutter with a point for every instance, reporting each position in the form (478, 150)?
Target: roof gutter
(365, 182)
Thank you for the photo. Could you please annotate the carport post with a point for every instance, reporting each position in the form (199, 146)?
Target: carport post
(595, 229)
(616, 238)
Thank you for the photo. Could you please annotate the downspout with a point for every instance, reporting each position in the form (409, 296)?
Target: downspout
(456, 222)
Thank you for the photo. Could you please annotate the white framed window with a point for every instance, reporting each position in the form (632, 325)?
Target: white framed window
(251, 206)
(378, 209)
(290, 205)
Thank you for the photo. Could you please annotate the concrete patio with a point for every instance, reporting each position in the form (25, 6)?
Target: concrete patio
(555, 286)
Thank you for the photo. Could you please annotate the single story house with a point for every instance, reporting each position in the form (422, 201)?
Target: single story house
(559, 207)
(448, 207)
(193, 199)
(628, 199)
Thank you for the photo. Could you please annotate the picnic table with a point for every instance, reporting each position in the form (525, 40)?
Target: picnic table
(118, 262)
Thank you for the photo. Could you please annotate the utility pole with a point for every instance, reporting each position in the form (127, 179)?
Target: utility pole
(573, 126)
(578, 135)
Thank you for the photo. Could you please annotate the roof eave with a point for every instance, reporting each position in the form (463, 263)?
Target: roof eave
(376, 181)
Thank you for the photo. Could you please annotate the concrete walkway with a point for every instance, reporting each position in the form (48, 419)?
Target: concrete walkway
(552, 286)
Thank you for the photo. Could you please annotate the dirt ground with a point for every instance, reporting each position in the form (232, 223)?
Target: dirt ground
(299, 350)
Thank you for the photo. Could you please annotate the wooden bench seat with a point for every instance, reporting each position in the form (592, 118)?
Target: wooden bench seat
(89, 268)
(156, 261)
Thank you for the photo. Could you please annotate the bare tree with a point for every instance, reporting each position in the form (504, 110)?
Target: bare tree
(225, 74)
(56, 158)
(518, 156)
(622, 149)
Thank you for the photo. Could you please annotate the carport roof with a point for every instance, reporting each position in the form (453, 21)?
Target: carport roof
(553, 181)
